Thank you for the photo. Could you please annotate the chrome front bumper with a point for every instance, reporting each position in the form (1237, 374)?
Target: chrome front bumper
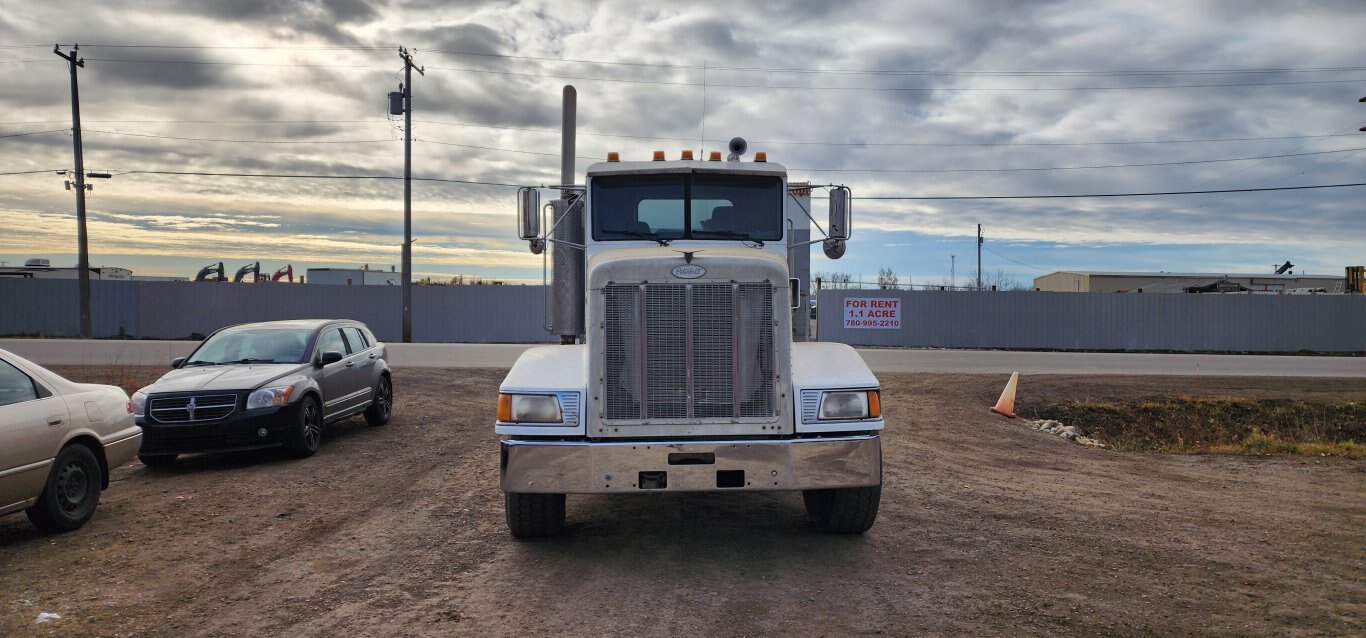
(691, 466)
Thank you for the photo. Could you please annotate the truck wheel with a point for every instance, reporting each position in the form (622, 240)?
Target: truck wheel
(71, 493)
(383, 406)
(157, 460)
(532, 515)
(304, 437)
(848, 510)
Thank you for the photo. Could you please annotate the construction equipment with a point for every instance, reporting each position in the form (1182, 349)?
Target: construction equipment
(216, 270)
(1356, 280)
(287, 271)
(253, 269)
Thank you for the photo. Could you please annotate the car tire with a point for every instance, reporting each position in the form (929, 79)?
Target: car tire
(71, 493)
(305, 435)
(534, 515)
(848, 510)
(157, 460)
(383, 406)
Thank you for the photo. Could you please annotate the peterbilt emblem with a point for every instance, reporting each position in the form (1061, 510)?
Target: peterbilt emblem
(689, 271)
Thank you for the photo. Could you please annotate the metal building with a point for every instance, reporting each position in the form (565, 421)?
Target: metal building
(1088, 281)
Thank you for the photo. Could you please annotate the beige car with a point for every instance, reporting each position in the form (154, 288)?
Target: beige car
(58, 441)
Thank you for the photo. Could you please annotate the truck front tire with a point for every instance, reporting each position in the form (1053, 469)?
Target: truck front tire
(846, 510)
(533, 515)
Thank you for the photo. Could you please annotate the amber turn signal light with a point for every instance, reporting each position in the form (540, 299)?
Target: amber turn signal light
(874, 404)
(687, 155)
(659, 156)
(613, 156)
(761, 156)
(504, 407)
(715, 156)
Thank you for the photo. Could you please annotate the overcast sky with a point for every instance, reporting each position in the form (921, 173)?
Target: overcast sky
(897, 98)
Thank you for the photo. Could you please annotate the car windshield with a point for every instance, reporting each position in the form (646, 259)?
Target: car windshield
(252, 345)
(687, 206)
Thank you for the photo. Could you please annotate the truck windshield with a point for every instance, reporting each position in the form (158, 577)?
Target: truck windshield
(687, 206)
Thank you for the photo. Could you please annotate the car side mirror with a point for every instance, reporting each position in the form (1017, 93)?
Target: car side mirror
(177, 362)
(329, 357)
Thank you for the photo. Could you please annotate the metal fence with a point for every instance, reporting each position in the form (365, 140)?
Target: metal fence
(515, 314)
(1097, 321)
(175, 310)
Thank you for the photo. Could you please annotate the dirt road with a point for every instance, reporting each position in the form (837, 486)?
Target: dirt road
(987, 528)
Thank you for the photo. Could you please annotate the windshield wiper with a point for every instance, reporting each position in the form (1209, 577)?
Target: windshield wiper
(636, 233)
(199, 363)
(249, 360)
(729, 234)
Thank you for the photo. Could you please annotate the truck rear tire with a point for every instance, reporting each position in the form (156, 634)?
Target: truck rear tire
(847, 510)
(533, 515)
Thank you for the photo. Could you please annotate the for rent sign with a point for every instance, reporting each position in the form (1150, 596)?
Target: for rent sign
(872, 312)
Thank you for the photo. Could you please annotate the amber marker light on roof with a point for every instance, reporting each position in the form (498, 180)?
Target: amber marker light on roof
(659, 156)
(687, 155)
(614, 156)
(761, 156)
(715, 156)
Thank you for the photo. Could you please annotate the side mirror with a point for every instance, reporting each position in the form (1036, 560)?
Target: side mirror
(177, 362)
(529, 213)
(841, 201)
(330, 357)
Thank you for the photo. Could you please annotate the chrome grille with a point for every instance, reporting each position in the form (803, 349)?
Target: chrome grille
(689, 352)
(192, 409)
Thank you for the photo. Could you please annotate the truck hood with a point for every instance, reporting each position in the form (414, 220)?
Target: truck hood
(719, 263)
(222, 377)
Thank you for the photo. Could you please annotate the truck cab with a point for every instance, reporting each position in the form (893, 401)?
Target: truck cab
(680, 369)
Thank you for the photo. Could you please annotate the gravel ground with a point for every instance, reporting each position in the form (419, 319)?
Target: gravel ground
(987, 528)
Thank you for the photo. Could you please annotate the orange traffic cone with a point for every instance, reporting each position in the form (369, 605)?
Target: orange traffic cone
(1006, 404)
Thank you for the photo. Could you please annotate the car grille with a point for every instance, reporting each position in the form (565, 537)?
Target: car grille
(192, 409)
(689, 351)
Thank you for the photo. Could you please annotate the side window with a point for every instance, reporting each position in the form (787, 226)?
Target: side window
(331, 341)
(15, 386)
(356, 338)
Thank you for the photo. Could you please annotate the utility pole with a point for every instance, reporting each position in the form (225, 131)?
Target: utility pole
(979, 256)
(83, 250)
(407, 90)
(953, 277)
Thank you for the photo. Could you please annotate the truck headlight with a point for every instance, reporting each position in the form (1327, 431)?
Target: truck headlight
(843, 405)
(139, 401)
(267, 397)
(529, 408)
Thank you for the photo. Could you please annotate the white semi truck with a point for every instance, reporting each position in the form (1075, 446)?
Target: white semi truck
(675, 299)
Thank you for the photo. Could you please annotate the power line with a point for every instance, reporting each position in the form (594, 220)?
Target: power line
(55, 130)
(51, 170)
(230, 47)
(738, 86)
(900, 71)
(887, 89)
(308, 176)
(1065, 168)
(1230, 190)
(211, 139)
(688, 139)
(1014, 260)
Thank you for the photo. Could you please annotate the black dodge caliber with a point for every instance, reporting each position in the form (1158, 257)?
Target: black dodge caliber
(262, 385)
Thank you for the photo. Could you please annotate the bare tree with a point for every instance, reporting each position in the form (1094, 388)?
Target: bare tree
(886, 279)
(1000, 280)
(835, 279)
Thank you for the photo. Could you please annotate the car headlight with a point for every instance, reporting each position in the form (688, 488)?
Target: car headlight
(529, 408)
(843, 405)
(267, 397)
(139, 401)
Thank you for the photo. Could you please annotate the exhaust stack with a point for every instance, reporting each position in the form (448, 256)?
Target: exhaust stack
(567, 296)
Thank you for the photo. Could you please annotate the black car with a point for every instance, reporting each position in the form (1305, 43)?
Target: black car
(262, 385)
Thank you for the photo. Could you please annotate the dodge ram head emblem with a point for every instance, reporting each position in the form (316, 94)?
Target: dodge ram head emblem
(189, 407)
(689, 271)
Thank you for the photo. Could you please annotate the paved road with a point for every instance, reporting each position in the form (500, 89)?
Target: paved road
(477, 355)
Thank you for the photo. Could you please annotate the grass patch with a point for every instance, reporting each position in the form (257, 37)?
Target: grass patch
(1220, 425)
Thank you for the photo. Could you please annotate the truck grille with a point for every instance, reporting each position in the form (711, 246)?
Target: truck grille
(689, 351)
(194, 409)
